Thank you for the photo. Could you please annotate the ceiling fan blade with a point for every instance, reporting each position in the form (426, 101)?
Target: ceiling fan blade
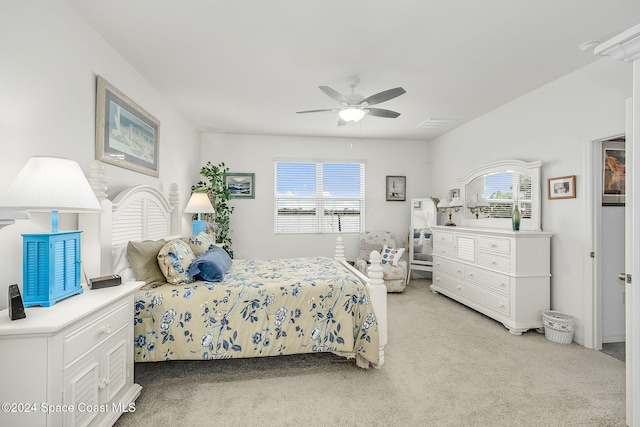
(333, 94)
(381, 112)
(384, 96)
(318, 111)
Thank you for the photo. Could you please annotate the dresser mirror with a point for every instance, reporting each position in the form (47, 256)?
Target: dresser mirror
(491, 191)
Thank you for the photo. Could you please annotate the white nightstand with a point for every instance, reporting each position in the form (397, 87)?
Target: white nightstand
(71, 363)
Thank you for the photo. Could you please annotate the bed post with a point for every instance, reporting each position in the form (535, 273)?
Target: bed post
(174, 201)
(378, 293)
(96, 228)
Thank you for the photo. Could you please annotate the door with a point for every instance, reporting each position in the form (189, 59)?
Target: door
(632, 256)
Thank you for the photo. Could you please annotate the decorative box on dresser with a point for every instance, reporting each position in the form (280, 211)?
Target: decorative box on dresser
(503, 274)
(72, 363)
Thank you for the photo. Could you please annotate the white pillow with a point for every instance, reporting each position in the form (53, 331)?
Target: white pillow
(391, 255)
(120, 263)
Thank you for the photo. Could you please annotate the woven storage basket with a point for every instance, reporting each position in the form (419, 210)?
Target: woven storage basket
(558, 327)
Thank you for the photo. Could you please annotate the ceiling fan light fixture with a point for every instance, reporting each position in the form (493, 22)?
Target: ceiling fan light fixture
(351, 114)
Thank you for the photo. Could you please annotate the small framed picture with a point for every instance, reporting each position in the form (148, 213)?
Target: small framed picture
(240, 185)
(562, 187)
(613, 173)
(454, 193)
(396, 188)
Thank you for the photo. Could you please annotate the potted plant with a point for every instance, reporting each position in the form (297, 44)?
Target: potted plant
(215, 187)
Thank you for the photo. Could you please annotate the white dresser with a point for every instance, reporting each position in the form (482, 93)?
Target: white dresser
(72, 363)
(503, 274)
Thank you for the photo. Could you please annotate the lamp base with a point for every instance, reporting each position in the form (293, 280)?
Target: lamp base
(450, 224)
(198, 226)
(51, 267)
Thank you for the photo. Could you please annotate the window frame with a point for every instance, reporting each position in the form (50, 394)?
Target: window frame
(322, 223)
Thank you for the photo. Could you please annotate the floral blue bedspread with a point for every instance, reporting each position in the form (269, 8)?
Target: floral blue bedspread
(261, 308)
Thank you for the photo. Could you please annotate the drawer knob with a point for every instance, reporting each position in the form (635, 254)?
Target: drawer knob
(470, 274)
(459, 288)
(106, 329)
(501, 305)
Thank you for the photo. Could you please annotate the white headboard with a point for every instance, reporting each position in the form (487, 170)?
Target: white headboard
(138, 213)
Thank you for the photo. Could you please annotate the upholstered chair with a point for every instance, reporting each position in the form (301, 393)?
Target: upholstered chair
(394, 269)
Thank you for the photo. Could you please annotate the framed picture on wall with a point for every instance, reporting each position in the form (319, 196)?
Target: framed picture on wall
(396, 188)
(613, 173)
(240, 185)
(126, 135)
(563, 187)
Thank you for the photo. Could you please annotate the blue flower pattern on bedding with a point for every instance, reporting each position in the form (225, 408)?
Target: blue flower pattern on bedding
(261, 308)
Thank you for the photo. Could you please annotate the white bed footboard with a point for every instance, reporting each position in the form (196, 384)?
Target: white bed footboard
(377, 291)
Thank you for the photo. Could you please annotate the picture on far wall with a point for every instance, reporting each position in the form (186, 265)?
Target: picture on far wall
(396, 188)
(613, 173)
(126, 135)
(563, 187)
(240, 185)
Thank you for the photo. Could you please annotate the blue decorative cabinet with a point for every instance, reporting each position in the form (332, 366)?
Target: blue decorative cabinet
(50, 267)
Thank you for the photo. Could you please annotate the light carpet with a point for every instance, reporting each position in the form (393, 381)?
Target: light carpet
(446, 365)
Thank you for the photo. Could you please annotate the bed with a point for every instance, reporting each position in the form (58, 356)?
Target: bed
(260, 308)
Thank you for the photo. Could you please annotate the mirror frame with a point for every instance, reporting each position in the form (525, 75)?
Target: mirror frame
(527, 168)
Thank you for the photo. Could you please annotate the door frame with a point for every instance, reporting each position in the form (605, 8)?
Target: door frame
(593, 210)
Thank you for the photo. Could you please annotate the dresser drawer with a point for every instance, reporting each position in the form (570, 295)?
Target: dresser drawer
(493, 301)
(443, 250)
(449, 266)
(98, 328)
(496, 281)
(448, 282)
(494, 244)
(443, 238)
(494, 261)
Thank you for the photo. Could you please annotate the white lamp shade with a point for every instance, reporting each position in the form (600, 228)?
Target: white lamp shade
(51, 183)
(199, 203)
(456, 202)
(444, 203)
(351, 114)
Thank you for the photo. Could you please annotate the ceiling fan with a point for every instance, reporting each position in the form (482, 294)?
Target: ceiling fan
(354, 106)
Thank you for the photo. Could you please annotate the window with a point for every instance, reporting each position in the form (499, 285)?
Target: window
(318, 197)
(499, 190)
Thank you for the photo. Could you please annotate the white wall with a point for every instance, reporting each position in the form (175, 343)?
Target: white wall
(556, 124)
(252, 221)
(50, 58)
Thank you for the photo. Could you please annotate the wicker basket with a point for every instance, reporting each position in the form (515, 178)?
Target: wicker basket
(558, 327)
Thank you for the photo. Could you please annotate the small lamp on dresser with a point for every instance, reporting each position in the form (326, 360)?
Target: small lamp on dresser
(199, 203)
(449, 207)
(51, 261)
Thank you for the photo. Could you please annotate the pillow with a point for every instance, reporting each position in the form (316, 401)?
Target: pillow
(174, 259)
(391, 255)
(211, 266)
(201, 243)
(367, 248)
(120, 263)
(143, 257)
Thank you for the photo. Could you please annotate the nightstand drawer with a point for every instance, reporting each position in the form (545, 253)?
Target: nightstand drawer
(98, 329)
(494, 244)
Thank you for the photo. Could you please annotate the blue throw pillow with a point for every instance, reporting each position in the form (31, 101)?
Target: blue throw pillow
(211, 266)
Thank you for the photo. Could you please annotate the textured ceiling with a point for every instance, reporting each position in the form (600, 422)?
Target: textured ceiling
(248, 66)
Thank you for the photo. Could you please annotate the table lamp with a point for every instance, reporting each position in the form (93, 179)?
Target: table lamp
(51, 261)
(199, 203)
